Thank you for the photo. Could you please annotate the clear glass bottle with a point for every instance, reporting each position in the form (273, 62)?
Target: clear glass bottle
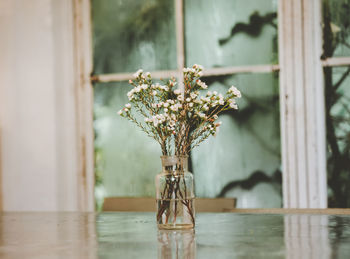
(175, 194)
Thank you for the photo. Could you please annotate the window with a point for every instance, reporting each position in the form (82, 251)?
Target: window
(236, 42)
(336, 63)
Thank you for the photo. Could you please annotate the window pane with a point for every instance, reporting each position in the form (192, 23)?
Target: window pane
(126, 159)
(231, 32)
(129, 35)
(336, 29)
(244, 159)
(337, 84)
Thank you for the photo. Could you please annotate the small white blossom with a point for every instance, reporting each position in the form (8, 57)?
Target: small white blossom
(234, 91)
(193, 95)
(120, 112)
(138, 72)
(188, 99)
(128, 105)
(166, 104)
(144, 86)
(190, 105)
(173, 108)
(180, 98)
(154, 93)
(234, 106)
(202, 115)
(177, 91)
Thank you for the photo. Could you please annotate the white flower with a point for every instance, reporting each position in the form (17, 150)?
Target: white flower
(173, 108)
(215, 117)
(154, 93)
(193, 95)
(130, 94)
(205, 107)
(190, 104)
(165, 109)
(202, 84)
(138, 72)
(234, 91)
(148, 74)
(202, 115)
(215, 92)
(166, 104)
(209, 93)
(221, 102)
(177, 91)
(120, 112)
(180, 98)
(188, 99)
(128, 105)
(234, 106)
(154, 105)
(137, 89)
(144, 87)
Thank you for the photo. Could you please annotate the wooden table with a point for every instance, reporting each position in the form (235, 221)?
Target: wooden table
(135, 235)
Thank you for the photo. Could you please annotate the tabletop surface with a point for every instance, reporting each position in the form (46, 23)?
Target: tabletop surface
(135, 235)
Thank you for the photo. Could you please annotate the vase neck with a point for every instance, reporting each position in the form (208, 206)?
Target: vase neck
(174, 164)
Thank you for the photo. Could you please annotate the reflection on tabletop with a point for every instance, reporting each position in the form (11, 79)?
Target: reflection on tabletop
(176, 244)
(135, 235)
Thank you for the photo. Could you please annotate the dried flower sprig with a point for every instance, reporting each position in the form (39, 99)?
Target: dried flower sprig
(178, 120)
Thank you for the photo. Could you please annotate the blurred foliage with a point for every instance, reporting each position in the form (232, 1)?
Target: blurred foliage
(254, 29)
(336, 32)
(255, 105)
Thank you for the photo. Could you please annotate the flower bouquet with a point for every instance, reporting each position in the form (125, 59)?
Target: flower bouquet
(179, 119)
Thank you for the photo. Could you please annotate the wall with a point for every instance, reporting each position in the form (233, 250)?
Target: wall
(37, 106)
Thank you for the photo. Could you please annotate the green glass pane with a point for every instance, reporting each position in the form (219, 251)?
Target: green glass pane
(245, 155)
(337, 85)
(336, 28)
(126, 159)
(231, 32)
(129, 35)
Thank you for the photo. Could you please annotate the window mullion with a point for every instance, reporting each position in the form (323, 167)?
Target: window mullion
(180, 48)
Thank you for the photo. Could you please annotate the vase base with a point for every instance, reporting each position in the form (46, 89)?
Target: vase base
(175, 226)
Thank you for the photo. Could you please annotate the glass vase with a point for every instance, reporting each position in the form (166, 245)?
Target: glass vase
(175, 194)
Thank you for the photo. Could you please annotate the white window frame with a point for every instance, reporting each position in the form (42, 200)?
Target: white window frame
(301, 97)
